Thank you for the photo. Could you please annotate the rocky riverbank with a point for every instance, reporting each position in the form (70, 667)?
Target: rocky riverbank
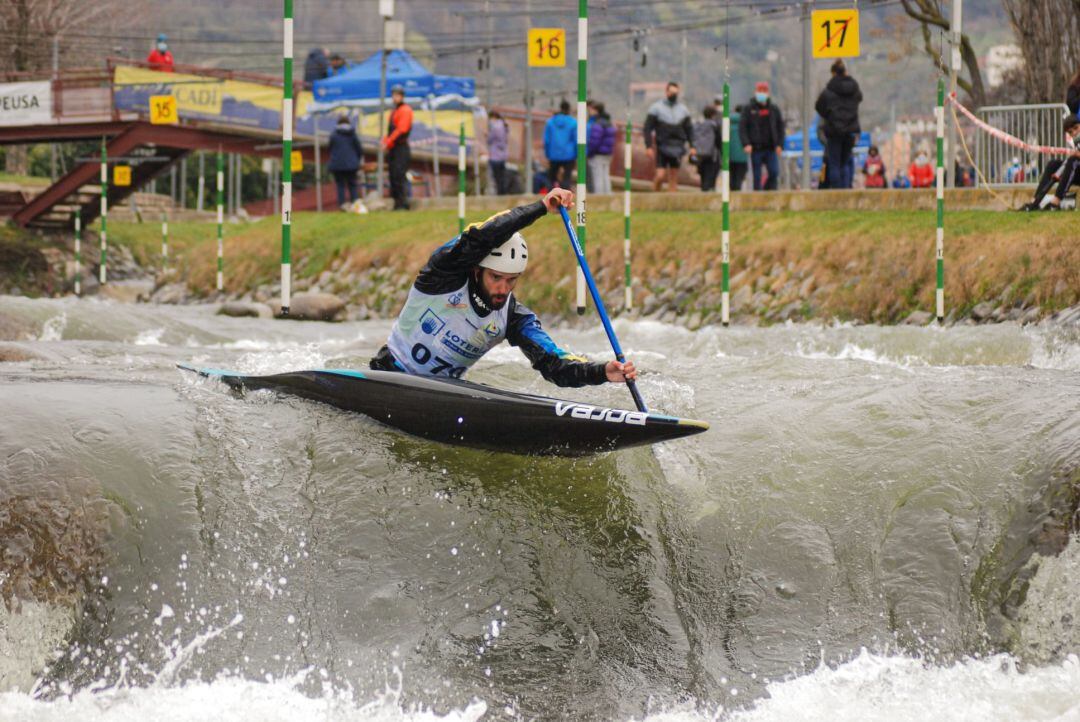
(827, 267)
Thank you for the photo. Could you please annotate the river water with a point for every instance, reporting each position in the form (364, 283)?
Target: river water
(874, 528)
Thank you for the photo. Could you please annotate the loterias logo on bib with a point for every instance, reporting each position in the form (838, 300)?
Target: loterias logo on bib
(598, 413)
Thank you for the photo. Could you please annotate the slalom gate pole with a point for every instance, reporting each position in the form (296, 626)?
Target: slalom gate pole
(78, 253)
(164, 242)
(104, 211)
(221, 221)
(583, 264)
(725, 228)
(461, 180)
(582, 122)
(627, 159)
(286, 161)
(939, 111)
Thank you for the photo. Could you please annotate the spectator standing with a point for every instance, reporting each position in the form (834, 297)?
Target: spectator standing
(599, 149)
(160, 58)
(560, 146)
(707, 144)
(498, 140)
(737, 160)
(346, 152)
(838, 105)
(920, 171)
(1072, 94)
(316, 66)
(338, 65)
(668, 130)
(874, 169)
(396, 143)
(761, 132)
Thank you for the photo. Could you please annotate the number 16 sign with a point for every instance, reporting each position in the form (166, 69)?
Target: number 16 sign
(547, 47)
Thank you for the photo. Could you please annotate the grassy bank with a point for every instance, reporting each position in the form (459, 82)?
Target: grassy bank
(872, 266)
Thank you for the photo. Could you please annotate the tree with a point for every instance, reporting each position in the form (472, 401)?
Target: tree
(930, 15)
(1048, 33)
(29, 27)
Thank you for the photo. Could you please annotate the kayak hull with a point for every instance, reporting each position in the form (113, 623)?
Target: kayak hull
(460, 412)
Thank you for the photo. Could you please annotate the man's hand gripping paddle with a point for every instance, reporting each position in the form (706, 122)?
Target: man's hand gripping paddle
(595, 293)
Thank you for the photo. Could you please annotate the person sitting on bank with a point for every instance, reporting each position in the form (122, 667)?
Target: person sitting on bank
(462, 305)
(1062, 172)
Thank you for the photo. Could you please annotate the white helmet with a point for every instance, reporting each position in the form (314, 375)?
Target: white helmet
(510, 257)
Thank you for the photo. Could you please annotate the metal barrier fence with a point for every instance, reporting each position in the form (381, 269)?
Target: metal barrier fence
(1002, 165)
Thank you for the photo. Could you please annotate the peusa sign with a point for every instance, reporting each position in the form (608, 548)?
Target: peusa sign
(25, 103)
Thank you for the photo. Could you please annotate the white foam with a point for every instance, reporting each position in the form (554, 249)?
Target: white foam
(150, 337)
(854, 352)
(902, 688)
(224, 699)
(53, 329)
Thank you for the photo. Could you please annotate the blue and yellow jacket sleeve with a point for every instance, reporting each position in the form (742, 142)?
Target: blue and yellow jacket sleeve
(449, 266)
(554, 364)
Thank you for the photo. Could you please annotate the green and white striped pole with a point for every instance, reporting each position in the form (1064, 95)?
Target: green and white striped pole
(725, 228)
(627, 159)
(104, 211)
(461, 181)
(221, 222)
(940, 113)
(78, 253)
(164, 242)
(286, 161)
(582, 121)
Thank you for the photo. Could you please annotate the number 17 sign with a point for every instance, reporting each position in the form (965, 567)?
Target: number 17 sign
(835, 33)
(547, 47)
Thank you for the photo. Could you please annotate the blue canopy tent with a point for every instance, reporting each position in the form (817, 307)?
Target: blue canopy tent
(793, 149)
(432, 96)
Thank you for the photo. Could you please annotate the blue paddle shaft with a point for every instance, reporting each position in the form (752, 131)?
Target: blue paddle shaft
(595, 293)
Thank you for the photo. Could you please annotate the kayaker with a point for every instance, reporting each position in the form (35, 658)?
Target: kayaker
(462, 305)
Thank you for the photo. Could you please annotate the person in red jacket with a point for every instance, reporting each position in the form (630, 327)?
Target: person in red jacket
(160, 58)
(396, 143)
(921, 172)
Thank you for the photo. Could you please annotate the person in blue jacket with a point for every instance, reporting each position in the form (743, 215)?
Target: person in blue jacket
(599, 149)
(560, 146)
(462, 305)
(346, 154)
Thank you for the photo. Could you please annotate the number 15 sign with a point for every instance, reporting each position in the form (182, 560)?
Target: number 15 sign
(835, 33)
(547, 47)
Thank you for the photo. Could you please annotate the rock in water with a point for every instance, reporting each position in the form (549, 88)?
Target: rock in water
(240, 309)
(313, 307)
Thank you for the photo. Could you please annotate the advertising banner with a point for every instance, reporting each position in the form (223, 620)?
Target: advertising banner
(26, 103)
(232, 102)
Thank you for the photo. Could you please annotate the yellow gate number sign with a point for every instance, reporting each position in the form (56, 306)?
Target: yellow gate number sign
(296, 161)
(547, 47)
(835, 33)
(121, 175)
(163, 110)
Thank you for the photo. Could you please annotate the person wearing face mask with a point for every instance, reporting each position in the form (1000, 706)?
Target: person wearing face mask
(761, 132)
(668, 130)
(874, 169)
(921, 172)
(160, 58)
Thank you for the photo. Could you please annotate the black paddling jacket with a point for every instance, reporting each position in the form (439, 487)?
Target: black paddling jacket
(449, 270)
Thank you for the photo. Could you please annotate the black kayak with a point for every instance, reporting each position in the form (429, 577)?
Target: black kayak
(460, 412)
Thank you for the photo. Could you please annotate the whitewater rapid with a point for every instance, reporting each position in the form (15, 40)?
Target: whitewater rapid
(874, 528)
